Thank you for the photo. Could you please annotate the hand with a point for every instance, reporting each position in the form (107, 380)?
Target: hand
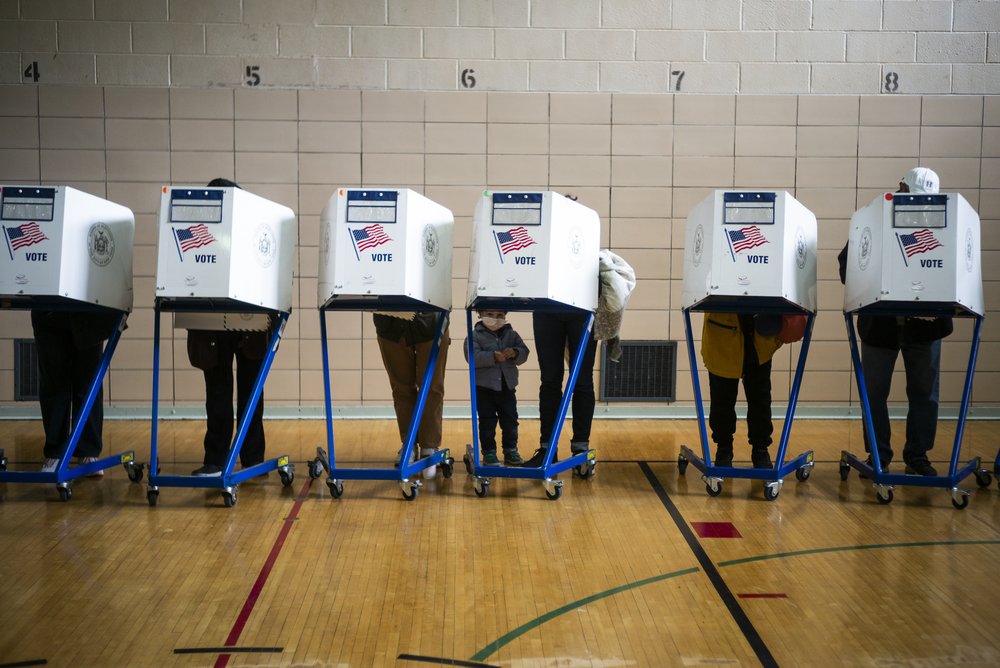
(498, 356)
(509, 353)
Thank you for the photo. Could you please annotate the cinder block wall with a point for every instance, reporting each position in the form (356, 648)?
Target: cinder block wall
(832, 101)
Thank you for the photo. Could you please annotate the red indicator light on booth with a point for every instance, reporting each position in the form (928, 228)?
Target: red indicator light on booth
(888, 197)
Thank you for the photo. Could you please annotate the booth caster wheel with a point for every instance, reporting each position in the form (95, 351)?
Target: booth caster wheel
(336, 487)
(229, 498)
(65, 493)
(287, 475)
(772, 489)
(481, 486)
(152, 496)
(553, 489)
(883, 494)
(803, 472)
(468, 464)
(410, 489)
(682, 464)
(3, 463)
(585, 470)
(984, 478)
(845, 470)
(134, 471)
(447, 467)
(713, 486)
(959, 498)
(315, 468)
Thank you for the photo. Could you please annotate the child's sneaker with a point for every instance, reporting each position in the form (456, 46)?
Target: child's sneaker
(512, 457)
(50, 465)
(430, 471)
(490, 458)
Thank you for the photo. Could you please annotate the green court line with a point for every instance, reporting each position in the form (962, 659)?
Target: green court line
(538, 621)
(509, 637)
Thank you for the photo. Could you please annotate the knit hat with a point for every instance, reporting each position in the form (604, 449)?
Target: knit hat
(922, 180)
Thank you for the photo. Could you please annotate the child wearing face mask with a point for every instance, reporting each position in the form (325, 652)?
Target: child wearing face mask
(497, 352)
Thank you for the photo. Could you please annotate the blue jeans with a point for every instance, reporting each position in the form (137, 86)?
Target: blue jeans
(922, 362)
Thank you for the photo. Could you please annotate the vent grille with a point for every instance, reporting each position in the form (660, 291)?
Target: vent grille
(647, 371)
(25, 370)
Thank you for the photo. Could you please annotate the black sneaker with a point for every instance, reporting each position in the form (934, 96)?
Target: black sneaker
(761, 458)
(724, 457)
(920, 467)
(208, 470)
(538, 459)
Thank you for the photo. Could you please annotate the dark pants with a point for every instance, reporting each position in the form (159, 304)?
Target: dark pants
(757, 387)
(219, 404)
(493, 406)
(66, 368)
(921, 361)
(553, 333)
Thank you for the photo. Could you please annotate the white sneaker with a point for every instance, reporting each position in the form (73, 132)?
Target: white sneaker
(90, 460)
(431, 471)
(50, 465)
(399, 456)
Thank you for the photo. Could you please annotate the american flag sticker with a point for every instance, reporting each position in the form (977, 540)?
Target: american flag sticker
(512, 240)
(365, 238)
(920, 241)
(745, 238)
(193, 237)
(23, 236)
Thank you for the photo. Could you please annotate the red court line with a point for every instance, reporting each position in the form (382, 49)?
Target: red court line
(762, 596)
(265, 571)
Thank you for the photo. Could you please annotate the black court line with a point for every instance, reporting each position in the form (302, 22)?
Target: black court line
(31, 662)
(442, 662)
(739, 616)
(227, 650)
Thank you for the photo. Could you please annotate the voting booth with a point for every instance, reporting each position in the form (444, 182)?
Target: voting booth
(388, 250)
(914, 255)
(385, 247)
(741, 244)
(533, 251)
(749, 252)
(69, 251)
(225, 261)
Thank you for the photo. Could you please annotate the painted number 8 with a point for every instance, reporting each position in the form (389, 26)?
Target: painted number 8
(891, 82)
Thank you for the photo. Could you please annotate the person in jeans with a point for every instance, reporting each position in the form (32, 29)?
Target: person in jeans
(554, 333)
(738, 347)
(497, 352)
(883, 338)
(405, 341)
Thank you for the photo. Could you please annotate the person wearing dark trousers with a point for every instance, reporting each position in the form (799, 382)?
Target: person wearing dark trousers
(556, 332)
(883, 339)
(740, 347)
(70, 347)
(213, 351)
(497, 352)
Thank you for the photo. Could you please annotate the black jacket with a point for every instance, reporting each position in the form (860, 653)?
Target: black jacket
(420, 329)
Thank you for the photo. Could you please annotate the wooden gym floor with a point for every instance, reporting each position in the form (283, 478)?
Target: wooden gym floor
(635, 567)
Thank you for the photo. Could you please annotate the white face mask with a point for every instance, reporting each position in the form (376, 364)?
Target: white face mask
(493, 324)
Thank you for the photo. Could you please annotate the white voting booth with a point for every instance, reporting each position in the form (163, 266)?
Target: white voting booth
(750, 244)
(384, 247)
(914, 255)
(537, 246)
(68, 251)
(749, 252)
(65, 246)
(225, 262)
(915, 250)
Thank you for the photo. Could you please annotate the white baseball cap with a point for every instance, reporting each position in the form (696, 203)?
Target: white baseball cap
(922, 180)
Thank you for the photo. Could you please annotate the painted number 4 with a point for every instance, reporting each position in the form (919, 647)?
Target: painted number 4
(31, 71)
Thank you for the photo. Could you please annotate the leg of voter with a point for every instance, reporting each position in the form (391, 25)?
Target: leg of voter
(247, 369)
(507, 413)
(219, 405)
(921, 362)
(429, 430)
(550, 344)
(55, 389)
(757, 387)
(487, 405)
(86, 361)
(399, 360)
(877, 364)
(583, 392)
(722, 410)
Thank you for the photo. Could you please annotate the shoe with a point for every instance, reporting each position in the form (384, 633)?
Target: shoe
(490, 458)
(512, 457)
(579, 447)
(399, 455)
(91, 460)
(431, 471)
(920, 467)
(50, 465)
(724, 457)
(538, 459)
(761, 458)
(207, 471)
